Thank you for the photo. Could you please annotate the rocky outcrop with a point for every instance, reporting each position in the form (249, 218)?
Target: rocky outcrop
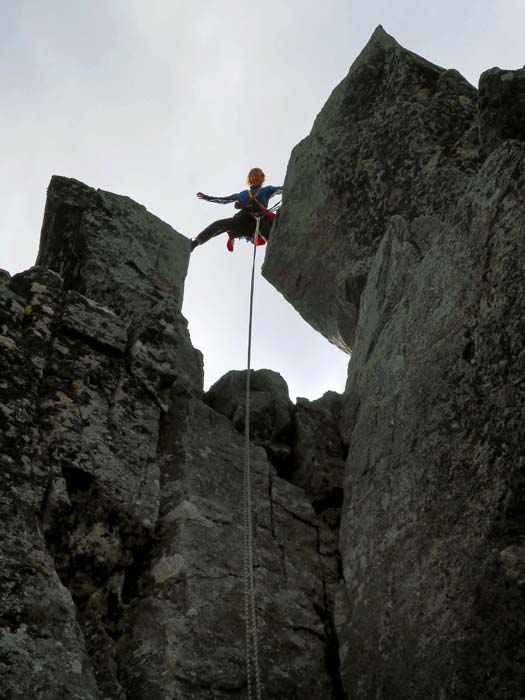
(111, 249)
(397, 136)
(432, 526)
(122, 495)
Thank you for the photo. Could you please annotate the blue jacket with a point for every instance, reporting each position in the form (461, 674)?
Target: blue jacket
(263, 194)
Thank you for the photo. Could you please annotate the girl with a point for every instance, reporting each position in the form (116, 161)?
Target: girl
(250, 202)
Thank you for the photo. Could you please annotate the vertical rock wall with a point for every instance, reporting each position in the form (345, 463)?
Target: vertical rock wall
(408, 198)
(432, 529)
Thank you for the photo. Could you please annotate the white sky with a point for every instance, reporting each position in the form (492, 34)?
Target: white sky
(159, 99)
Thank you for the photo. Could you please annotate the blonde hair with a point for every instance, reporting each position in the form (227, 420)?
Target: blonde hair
(252, 171)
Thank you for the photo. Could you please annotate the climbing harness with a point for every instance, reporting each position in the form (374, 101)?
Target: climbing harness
(267, 214)
(252, 658)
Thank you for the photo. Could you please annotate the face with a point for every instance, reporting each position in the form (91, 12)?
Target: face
(256, 178)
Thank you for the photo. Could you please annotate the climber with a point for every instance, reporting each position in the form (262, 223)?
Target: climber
(250, 202)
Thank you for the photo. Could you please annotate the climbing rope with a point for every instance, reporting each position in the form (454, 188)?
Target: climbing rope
(252, 658)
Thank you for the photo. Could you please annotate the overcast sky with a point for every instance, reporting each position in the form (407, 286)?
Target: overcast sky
(159, 99)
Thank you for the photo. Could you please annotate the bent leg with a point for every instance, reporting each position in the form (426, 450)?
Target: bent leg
(214, 229)
(242, 224)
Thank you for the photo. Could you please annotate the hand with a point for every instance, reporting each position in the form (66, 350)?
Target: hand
(200, 195)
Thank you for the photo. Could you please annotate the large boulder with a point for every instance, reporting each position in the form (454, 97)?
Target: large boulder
(270, 410)
(397, 136)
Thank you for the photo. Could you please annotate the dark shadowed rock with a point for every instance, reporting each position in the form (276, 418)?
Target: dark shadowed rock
(397, 136)
(270, 409)
(318, 451)
(42, 651)
(501, 106)
(81, 396)
(111, 249)
(318, 463)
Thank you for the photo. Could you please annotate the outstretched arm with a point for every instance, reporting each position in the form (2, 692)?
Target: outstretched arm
(219, 200)
(271, 190)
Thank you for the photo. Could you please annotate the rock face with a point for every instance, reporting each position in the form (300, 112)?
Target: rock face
(435, 466)
(304, 445)
(397, 136)
(122, 542)
(111, 249)
(183, 630)
(39, 633)
(432, 531)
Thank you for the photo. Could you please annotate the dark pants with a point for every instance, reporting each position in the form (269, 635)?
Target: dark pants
(242, 224)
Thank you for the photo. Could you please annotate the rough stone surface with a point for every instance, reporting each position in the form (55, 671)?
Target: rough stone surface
(396, 218)
(42, 652)
(111, 249)
(121, 499)
(501, 107)
(120, 490)
(270, 410)
(184, 630)
(304, 443)
(318, 451)
(161, 354)
(432, 530)
(397, 136)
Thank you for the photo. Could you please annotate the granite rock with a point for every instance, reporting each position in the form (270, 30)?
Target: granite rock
(434, 482)
(183, 631)
(270, 410)
(401, 237)
(121, 491)
(42, 650)
(398, 136)
(111, 249)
